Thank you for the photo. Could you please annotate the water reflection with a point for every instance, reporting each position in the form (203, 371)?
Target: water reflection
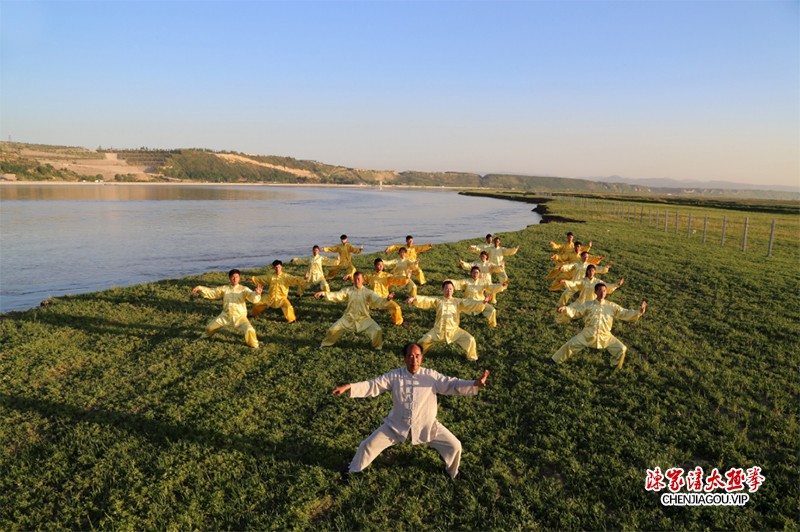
(138, 192)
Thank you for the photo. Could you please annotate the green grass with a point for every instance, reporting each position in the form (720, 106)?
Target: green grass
(113, 416)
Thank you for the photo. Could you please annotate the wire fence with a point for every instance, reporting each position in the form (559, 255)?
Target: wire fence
(740, 229)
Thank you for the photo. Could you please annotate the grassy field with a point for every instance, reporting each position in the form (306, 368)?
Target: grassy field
(113, 416)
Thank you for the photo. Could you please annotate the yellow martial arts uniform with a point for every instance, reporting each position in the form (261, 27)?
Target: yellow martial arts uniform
(234, 311)
(569, 255)
(496, 255)
(356, 316)
(477, 291)
(480, 247)
(486, 268)
(573, 271)
(401, 267)
(380, 283)
(561, 248)
(345, 260)
(277, 293)
(448, 317)
(598, 318)
(411, 254)
(585, 289)
(315, 273)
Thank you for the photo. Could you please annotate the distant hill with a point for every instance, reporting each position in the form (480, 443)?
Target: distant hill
(43, 162)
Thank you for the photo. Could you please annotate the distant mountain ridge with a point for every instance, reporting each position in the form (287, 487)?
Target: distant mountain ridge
(63, 163)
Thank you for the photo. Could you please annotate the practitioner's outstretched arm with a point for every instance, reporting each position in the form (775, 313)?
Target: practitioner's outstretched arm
(339, 390)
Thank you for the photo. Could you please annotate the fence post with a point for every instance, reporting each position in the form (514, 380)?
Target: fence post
(666, 219)
(676, 221)
(771, 236)
(724, 225)
(656, 225)
(705, 225)
(744, 238)
(641, 216)
(689, 227)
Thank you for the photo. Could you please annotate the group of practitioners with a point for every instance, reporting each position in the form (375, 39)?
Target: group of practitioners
(373, 290)
(413, 388)
(575, 273)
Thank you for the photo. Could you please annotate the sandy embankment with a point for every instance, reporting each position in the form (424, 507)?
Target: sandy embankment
(111, 165)
(108, 167)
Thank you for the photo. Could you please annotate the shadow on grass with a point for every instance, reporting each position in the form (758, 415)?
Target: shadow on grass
(114, 327)
(296, 447)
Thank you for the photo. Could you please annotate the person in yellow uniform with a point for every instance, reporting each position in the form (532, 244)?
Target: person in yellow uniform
(277, 295)
(315, 275)
(477, 290)
(570, 254)
(448, 317)
(584, 287)
(496, 257)
(566, 246)
(234, 307)
(598, 318)
(403, 267)
(477, 248)
(486, 268)
(575, 271)
(345, 251)
(411, 253)
(557, 273)
(356, 316)
(380, 282)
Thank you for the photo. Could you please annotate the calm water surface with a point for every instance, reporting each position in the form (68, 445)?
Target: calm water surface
(70, 239)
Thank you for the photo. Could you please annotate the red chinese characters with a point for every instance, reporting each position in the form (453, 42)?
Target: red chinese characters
(675, 476)
(754, 479)
(654, 480)
(714, 481)
(735, 479)
(694, 479)
(735, 476)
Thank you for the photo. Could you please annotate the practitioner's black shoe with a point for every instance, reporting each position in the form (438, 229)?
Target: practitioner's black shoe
(460, 476)
(345, 475)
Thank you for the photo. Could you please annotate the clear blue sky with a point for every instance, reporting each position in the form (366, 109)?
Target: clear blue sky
(640, 89)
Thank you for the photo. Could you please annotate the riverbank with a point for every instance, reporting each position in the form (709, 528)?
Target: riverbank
(540, 201)
(216, 184)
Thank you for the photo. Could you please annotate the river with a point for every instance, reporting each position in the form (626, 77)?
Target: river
(71, 239)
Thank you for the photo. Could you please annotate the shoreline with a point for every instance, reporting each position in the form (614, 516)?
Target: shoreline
(217, 184)
(541, 208)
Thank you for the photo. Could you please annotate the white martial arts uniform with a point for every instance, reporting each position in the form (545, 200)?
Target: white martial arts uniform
(413, 414)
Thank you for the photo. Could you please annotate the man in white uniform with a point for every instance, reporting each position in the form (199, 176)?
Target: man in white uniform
(414, 408)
